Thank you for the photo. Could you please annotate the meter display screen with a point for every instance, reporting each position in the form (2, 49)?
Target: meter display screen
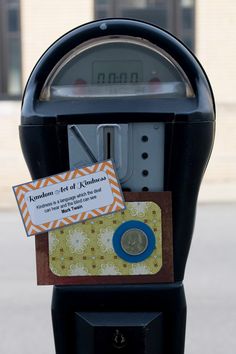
(117, 72)
(116, 67)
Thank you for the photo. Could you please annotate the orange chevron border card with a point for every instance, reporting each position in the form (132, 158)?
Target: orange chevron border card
(70, 197)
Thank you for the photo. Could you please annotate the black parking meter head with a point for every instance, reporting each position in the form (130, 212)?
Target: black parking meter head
(176, 96)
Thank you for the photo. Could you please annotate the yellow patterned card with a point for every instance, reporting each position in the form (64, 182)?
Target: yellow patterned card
(88, 248)
(68, 198)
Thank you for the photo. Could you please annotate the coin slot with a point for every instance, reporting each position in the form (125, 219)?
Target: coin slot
(108, 145)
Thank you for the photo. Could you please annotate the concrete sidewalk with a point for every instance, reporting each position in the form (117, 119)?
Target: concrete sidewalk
(25, 322)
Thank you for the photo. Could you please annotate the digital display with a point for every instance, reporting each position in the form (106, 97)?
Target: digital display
(110, 72)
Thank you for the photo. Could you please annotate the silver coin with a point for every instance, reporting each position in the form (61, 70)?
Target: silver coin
(134, 242)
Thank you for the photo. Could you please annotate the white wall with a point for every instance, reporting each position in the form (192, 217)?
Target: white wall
(44, 21)
(216, 50)
(216, 45)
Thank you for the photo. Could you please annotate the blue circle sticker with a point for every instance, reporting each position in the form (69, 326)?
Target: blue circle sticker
(134, 241)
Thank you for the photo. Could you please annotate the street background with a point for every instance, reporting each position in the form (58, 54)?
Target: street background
(25, 322)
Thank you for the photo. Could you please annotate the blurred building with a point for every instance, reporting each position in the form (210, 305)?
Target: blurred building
(28, 27)
(10, 49)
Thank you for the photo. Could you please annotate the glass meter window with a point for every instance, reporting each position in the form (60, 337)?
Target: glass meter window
(113, 67)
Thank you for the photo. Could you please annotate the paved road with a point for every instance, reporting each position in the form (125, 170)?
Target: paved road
(25, 323)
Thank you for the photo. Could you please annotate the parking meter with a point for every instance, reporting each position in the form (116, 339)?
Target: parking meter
(128, 91)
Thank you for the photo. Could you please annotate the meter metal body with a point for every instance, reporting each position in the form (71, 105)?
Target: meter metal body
(128, 91)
